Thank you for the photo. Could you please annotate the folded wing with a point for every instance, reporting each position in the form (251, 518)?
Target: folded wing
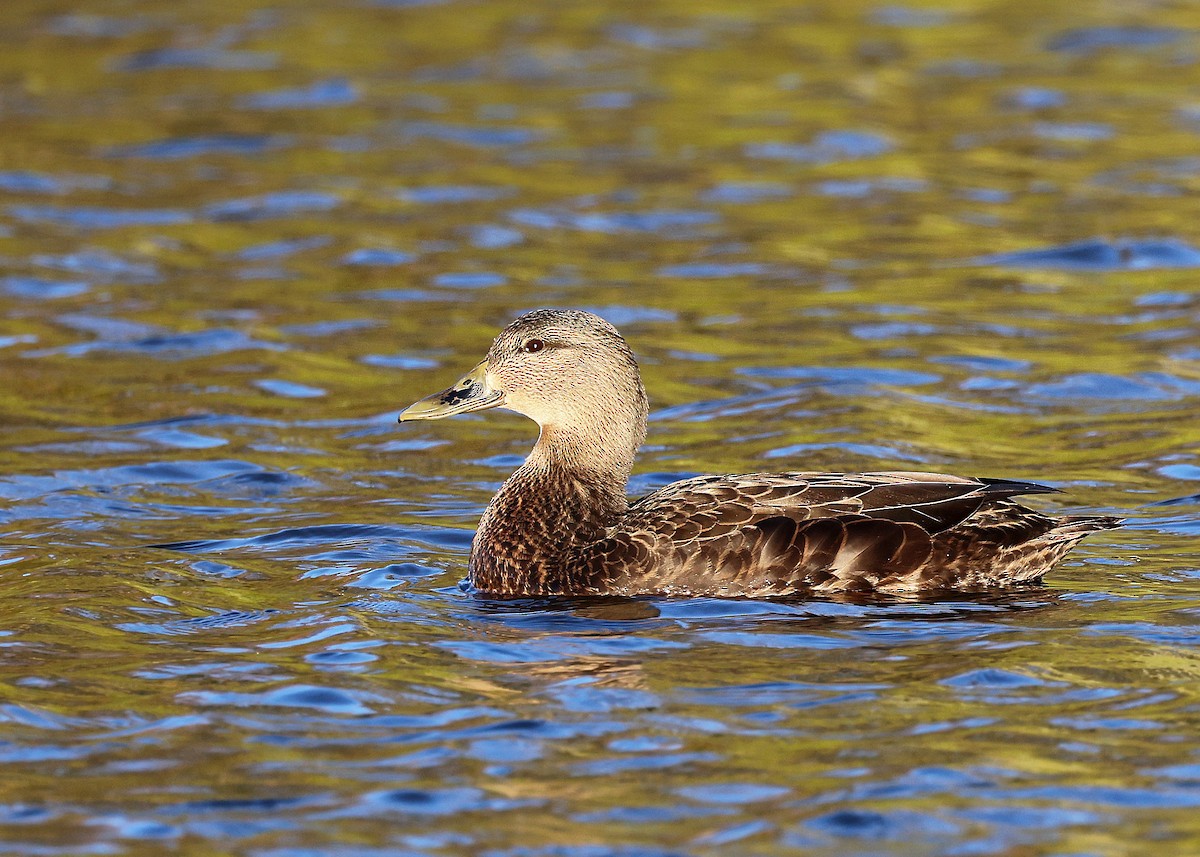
(783, 533)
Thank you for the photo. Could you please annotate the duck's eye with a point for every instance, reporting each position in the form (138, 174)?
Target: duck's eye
(533, 346)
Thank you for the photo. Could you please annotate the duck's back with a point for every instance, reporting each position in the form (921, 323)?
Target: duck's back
(768, 534)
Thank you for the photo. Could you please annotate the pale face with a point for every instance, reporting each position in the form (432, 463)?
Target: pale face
(565, 369)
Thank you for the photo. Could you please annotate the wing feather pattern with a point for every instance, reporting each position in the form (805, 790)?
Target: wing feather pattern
(784, 533)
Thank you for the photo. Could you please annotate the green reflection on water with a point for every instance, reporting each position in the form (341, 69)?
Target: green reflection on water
(666, 160)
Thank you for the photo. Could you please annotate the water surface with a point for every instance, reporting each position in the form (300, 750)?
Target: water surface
(237, 238)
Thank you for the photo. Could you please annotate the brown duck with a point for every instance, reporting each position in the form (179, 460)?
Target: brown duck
(562, 525)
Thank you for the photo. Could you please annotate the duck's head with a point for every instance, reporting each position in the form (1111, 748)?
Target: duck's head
(569, 371)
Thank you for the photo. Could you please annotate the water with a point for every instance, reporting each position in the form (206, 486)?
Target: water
(238, 238)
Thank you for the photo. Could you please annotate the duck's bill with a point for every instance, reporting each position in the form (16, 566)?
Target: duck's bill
(472, 393)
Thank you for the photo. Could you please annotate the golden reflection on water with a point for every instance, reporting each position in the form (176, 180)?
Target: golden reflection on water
(236, 239)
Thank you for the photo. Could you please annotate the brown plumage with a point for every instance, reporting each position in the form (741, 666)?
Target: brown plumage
(561, 524)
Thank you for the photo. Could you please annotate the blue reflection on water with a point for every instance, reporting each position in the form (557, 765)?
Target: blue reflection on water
(1097, 255)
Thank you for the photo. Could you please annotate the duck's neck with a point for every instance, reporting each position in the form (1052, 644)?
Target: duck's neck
(564, 496)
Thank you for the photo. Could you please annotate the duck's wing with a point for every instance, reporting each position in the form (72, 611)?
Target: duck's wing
(778, 533)
(935, 501)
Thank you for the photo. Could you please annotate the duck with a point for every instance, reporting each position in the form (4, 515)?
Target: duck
(562, 525)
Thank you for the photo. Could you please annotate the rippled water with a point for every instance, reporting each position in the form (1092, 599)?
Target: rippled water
(236, 238)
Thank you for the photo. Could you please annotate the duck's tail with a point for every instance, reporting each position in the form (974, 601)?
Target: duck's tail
(1075, 527)
(1009, 545)
(1050, 547)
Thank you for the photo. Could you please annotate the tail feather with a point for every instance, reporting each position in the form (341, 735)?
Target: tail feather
(1088, 523)
(1070, 530)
